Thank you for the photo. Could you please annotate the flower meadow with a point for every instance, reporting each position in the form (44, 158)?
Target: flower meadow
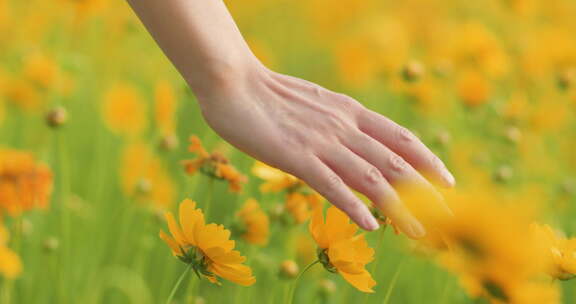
(114, 190)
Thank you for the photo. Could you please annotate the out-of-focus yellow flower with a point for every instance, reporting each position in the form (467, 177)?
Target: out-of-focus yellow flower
(476, 47)
(255, 223)
(562, 251)
(205, 247)
(487, 243)
(276, 180)
(214, 165)
(42, 70)
(165, 107)
(144, 178)
(473, 89)
(340, 250)
(300, 205)
(22, 93)
(24, 183)
(124, 111)
(10, 264)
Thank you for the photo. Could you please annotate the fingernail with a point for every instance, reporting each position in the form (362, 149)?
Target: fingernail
(370, 223)
(417, 230)
(448, 178)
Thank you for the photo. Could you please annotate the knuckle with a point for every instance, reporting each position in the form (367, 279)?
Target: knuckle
(398, 164)
(330, 185)
(372, 176)
(405, 135)
(317, 91)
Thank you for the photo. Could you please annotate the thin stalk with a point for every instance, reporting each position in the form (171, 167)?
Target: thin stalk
(209, 196)
(392, 284)
(175, 288)
(374, 265)
(290, 298)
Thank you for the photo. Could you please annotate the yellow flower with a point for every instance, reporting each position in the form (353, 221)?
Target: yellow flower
(144, 177)
(24, 183)
(165, 107)
(474, 89)
(255, 223)
(214, 165)
(206, 247)
(10, 264)
(22, 94)
(300, 205)
(276, 180)
(562, 251)
(487, 243)
(42, 71)
(340, 250)
(124, 111)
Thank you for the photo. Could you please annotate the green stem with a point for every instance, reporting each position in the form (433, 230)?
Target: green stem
(175, 288)
(392, 284)
(374, 267)
(290, 298)
(209, 196)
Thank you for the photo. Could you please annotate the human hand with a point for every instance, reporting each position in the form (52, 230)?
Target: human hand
(327, 139)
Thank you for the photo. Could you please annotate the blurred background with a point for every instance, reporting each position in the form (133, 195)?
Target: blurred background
(489, 85)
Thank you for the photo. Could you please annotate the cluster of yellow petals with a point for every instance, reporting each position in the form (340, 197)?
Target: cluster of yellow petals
(10, 264)
(213, 164)
(300, 200)
(24, 183)
(210, 241)
(300, 205)
(561, 251)
(124, 110)
(346, 252)
(165, 107)
(40, 73)
(488, 244)
(275, 180)
(255, 223)
(144, 178)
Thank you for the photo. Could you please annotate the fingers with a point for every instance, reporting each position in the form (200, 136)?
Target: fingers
(394, 168)
(367, 179)
(405, 144)
(322, 179)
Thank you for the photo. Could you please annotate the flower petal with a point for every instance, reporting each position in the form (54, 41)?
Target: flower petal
(174, 229)
(362, 281)
(171, 243)
(237, 273)
(190, 220)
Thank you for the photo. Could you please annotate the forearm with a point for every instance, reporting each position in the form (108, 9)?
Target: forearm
(200, 38)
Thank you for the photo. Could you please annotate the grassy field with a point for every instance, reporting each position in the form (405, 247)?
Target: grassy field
(489, 85)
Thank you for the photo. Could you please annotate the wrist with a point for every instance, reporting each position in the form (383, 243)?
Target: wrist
(221, 76)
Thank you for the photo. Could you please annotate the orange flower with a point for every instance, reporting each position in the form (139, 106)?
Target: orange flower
(124, 111)
(205, 247)
(340, 250)
(214, 165)
(255, 223)
(24, 183)
(299, 205)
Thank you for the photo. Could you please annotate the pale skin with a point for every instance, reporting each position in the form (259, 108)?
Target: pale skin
(327, 139)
